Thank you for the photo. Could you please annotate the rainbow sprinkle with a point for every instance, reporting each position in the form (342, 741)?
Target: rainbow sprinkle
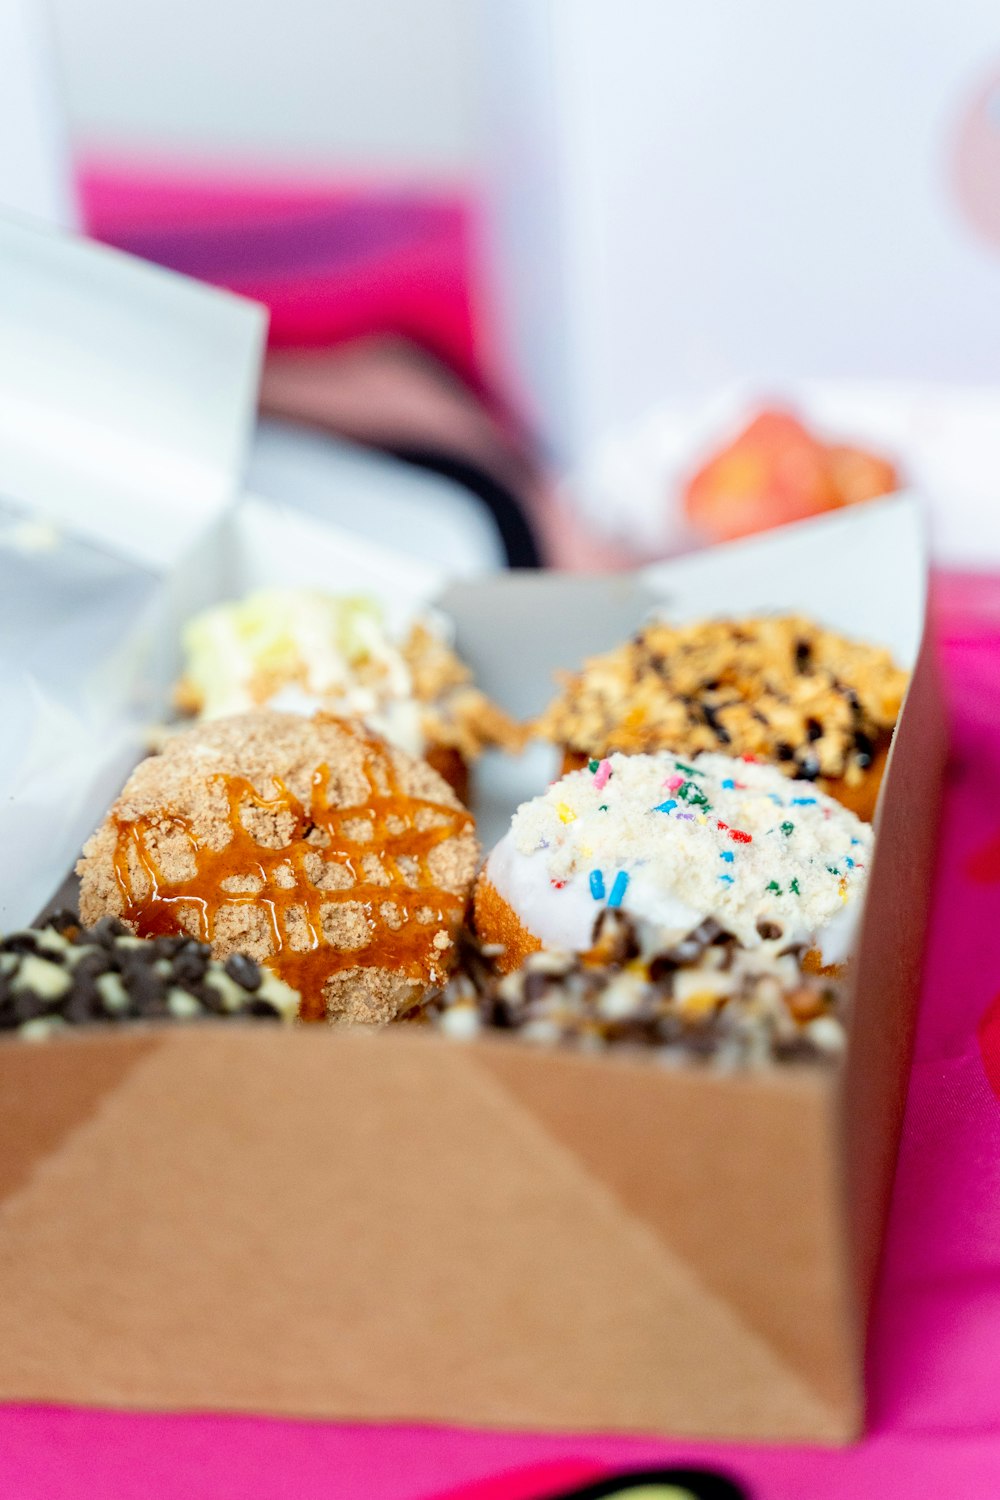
(777, 856)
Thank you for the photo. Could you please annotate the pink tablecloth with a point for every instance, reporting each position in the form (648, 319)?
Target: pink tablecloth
(934, 1365)
(332, 261)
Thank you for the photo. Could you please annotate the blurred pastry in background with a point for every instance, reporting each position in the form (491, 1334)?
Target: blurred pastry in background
(340, 863)
(777, 688)
(676, 843)
(300, 650)
(777, 471)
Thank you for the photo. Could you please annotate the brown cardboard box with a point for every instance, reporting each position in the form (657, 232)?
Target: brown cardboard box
(403, 1226)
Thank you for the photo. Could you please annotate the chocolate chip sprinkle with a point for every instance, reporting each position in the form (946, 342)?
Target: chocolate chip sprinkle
(703, 998)
(190, 961)
(244, 971)
(62, 974)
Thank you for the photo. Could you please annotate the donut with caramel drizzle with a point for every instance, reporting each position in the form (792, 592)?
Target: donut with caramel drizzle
(347, 889)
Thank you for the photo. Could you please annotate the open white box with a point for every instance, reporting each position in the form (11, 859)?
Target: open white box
(401, 1226)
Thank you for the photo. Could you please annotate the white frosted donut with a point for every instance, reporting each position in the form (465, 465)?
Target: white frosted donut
(673, 842)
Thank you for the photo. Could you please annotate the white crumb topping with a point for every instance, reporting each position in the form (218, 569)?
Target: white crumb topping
(299, 650)
(714, 836)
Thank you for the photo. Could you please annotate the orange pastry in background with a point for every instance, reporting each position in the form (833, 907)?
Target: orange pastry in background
(860, 475)
(775, 472)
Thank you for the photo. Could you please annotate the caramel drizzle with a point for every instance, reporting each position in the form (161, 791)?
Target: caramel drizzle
(391, 814)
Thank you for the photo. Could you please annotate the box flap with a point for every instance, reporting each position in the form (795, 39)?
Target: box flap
(127, 393)
(861, 570)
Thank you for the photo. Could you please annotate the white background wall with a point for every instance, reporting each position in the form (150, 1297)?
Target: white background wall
(347, 83)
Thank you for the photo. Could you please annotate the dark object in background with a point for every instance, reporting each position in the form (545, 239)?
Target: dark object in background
(374, 308)
(670, 1484)
(509, 515)
(392, 396)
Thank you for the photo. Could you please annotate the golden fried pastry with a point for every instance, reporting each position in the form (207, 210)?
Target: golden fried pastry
(338, 861)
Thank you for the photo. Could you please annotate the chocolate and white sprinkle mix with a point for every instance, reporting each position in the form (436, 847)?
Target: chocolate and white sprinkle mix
(705, 997)
(778, 687)
(61, 974)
